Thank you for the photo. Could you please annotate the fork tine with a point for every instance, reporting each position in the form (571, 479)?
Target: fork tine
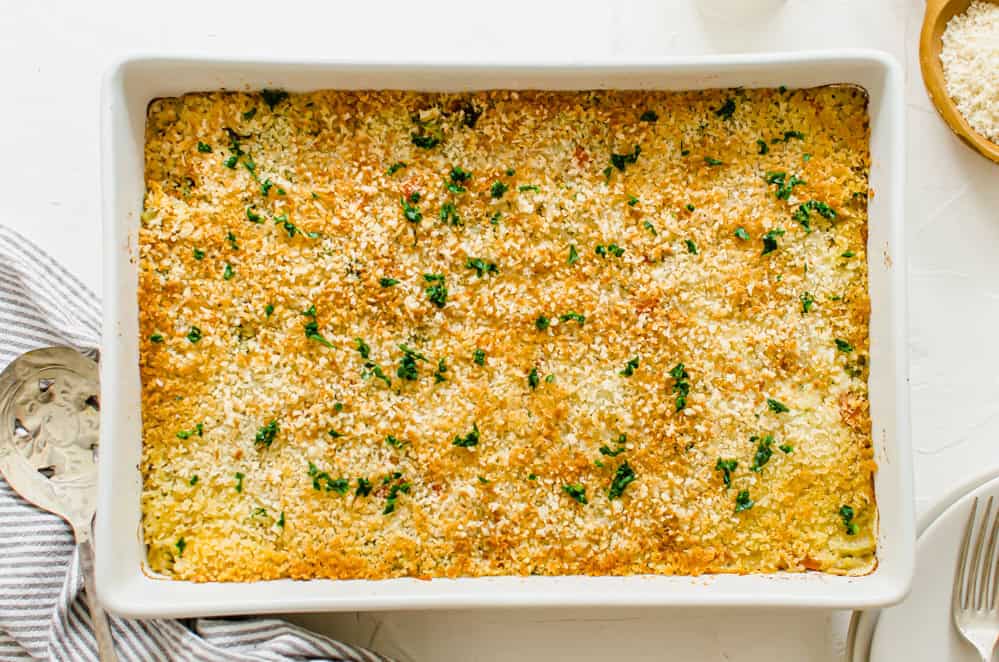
(987, 535)
(970, 597)
(958, 593)
(993, 567)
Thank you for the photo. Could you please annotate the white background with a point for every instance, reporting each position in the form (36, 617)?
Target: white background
(54, 54)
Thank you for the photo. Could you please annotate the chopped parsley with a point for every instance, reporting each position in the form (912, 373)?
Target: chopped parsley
(847, 254)
(681, 385)
(395, 167)
(228, 272)
(338, 407)
(334, 434)
(483, 480)
(394, 442)
(726, 467)
(529, 187)
(606, 450)
(770, 240)
(407, 364)
(482, 267)
(204, 148)
(388, 282)
(787, 449)
(743, 502)
(726, 109)
(785, 184)
(649, 116)
(194, 335)
(691, 246)
(193, 481)
(740, 233)
(764, 450)
(576, 491)
(479, 357)
(632, 201)
(181, 546)
(629, 367)
(573, 255)
(156, 337)
(199, 254)
(322, 481)
(266, 186)
(253, 216)
(411, 212)
(312, 329)
(572, 316)
(231, 162)
(847, 514)
(498, 189)
(239, 481)
(542, 323)
(623, 477)
(776, 406)
(363, 348)
(291, 228)
(843, 346)
(373, 369)
(712, 161)
(510, 172)
(532, 378)
(198, 429)
(532, 476)
(436, 290)
(793, 134)
(233, 243)
(651, 228)
(441, 369)
(469, 440)
(280, 521)
(549, 378)
(807, 301)
(612, 249)
(273, 97)
(266, 434)
(762, 147)
(363, 487)
(621, 161)
(424, 141)
(449, 214)
(803, 213)
(690, 207)
(458, 176)
(394, 492)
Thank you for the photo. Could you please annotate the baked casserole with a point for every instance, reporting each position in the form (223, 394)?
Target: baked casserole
(396, 334)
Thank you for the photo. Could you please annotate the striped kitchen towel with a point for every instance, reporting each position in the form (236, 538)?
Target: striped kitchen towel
(43, 613)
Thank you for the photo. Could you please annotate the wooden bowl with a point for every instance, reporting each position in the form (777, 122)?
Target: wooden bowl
(938, 12)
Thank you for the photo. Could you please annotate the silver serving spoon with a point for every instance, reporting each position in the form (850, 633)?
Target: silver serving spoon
(48, 444)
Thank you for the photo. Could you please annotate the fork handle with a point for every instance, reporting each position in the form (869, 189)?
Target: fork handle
(102, 629)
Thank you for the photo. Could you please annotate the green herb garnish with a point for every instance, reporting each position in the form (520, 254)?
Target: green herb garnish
(266, 434)
(436, 290)
(651, 228)
(362, 348)
(424, 141)
(194, 335)
(710, 161)
(156, 337)
(785, 184)
(228, 272)
(449, 214)
(776, 406)
(573, 317)
(239, 481)
(373, 369)
(740, 233)
(532, 378)
(681, 385)
(394, 442)
(573, 255)
(726, 109)
(479, 357)
(441, 369)
(623, 477)
(846, 512)
(847, 254)
(576, 491)
(648, 116)
(726, 467)
(407, 364)
(770, 240)
(843, 345)
(762, 147)
(395, 167)
(691, 246)
(629, 367)
(273, 97)
(482, 267)
(542, 323)
(204, 148)
(529, 187)
(193, 481)
(743, 502)
(322, 481)
(807, 301)
(388, 282)
(469, 440)
(787, 449)
(411, 212)
(764, 450)
(252, 216)
(181, 546)
(621, 161)
(393, 496)
(363, 487)
(498, 189)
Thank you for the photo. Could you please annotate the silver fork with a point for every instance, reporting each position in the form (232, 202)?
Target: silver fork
(976, 582)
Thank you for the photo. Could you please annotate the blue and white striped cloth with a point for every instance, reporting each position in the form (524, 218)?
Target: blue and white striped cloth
(43, 612)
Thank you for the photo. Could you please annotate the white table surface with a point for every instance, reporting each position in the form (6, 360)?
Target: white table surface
(55, 52)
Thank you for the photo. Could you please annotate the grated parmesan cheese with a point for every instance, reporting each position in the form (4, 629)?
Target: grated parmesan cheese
(970, 58)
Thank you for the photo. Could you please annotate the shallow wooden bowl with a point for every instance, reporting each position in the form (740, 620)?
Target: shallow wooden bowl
(938, 12)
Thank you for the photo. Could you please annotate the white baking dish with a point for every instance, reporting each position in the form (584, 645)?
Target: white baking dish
(130, 86)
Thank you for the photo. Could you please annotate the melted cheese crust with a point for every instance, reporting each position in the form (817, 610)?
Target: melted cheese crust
(219, 505)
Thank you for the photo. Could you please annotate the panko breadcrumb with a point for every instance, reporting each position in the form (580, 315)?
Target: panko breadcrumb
(394, 334)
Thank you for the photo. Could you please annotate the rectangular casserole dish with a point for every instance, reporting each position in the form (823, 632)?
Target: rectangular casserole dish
(129, 590)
